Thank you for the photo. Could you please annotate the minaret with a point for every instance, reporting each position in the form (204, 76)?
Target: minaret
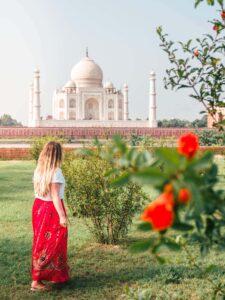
(152, 100)
(125, 94)
(30, 116)
(36, 99)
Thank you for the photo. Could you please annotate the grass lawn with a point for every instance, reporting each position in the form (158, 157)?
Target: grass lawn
(97, 272)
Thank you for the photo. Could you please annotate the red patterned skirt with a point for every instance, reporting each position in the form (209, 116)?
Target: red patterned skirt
(49, 251)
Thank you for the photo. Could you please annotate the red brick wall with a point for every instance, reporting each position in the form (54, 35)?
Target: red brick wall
(19, 153)
(14, 153)
(88, 132)
(23, 153)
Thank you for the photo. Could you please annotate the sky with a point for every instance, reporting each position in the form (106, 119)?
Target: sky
(121, 37)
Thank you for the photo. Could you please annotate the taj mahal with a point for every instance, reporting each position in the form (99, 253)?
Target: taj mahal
(85, 101)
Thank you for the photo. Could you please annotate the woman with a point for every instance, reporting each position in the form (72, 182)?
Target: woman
(49, 251)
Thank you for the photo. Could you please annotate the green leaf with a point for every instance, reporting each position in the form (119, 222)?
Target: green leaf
(209, 36)
(197, 2)
(197, 201)
(149, 175)
(145, 226)
(120, 144)
(182, 227)
(140, 160)
(123, 162)
(160, 259)
(220, 3)
(183, 86)
(159, 30)
(168, 156)
(131, 154)
(85, 152)
(215, 61)
(121, 180)
(188, 43)
(210, 2)
(111, 172)
(140, 246)
(173, 246)
(96, 142)
(166, 243)
(180, 61)
(202, 163)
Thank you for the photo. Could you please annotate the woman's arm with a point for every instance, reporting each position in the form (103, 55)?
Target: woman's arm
(55, 187)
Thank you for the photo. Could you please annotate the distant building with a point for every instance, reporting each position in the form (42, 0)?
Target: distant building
(84, 101)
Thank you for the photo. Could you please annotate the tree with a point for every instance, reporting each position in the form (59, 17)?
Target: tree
(177, 123)
(7, 120)
(201, 66)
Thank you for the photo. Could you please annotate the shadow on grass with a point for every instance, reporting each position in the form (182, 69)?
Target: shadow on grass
(93, 268)
(100, 268)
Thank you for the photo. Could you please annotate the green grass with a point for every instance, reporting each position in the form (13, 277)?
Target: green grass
(97, 272)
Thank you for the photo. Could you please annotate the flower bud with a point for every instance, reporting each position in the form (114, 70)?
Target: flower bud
(196, 53)
(222, 14)
(168, 188)
(184, 195)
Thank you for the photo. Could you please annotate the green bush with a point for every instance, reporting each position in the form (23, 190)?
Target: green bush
(108, 210)
(38, 144)
(211, 138)
(149, 141)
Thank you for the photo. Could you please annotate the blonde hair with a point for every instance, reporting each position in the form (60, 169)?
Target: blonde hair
(49, 160)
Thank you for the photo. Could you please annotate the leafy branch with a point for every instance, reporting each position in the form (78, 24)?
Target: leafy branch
(199, 65)
(209, 2)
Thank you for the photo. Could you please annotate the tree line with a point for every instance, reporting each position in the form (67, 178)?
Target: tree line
(177, 123)
(7, 120)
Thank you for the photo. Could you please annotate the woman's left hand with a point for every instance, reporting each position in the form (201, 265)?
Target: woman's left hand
(63, 221)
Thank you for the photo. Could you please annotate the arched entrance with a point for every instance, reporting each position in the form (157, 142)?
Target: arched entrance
(91, 109)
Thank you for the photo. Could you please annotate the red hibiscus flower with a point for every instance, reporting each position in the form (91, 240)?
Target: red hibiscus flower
(160, 212)
(188, 145)
(184, 195)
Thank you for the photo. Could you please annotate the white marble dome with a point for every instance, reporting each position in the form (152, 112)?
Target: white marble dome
(108, 85)
(69, 84)
(87, 73)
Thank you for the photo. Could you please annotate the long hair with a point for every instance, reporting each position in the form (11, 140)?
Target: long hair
(49, 160)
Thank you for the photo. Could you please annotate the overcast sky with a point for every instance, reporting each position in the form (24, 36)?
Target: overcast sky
(120, 35)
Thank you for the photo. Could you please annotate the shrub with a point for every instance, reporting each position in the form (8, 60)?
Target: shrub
(135, 140)
(211, 137)
(188, 201)
(150, 141)
(109, 210)
(38, 144)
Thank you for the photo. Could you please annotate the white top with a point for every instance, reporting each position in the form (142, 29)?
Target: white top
(56, 178)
